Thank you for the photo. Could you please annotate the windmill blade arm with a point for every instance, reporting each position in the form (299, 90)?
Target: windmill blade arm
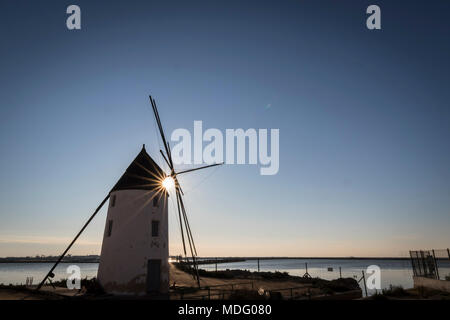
(73, 241)
(165, 159)
(188, 228)
(161, 131)
(204, 167)
(177, 184)
(181, 223)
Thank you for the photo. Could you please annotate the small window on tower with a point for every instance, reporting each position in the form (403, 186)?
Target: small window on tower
(155, 228)
(155, 201)
(109, 230)
(113, 201)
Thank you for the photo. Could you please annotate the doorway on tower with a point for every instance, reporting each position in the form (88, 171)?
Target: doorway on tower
(153, 275)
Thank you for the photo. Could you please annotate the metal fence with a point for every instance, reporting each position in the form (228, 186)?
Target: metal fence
(433, 263)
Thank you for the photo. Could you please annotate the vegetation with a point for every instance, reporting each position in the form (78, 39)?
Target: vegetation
(89, 286)
(246, 295)
(427, 293)
(395, 291)
(328, 286)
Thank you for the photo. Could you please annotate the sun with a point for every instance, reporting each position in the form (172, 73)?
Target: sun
(168, 183)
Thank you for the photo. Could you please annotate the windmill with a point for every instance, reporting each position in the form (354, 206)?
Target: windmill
(143, 180)
(185, 229)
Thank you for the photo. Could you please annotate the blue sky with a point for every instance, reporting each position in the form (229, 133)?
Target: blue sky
(363, 118)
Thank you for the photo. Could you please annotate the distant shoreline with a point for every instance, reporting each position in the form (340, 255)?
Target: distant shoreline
(312, 258)
(49, 261)
(97, 259)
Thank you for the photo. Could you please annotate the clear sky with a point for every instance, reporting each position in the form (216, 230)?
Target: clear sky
(363, 116)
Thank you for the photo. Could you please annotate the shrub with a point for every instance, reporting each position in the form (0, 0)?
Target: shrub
(395, 291)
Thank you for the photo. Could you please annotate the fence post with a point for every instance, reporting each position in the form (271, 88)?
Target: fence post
(448, 251)
(340, 273)
(412, 263)
(364, 279)
(435, 265)
(258, 264)
(423, 264)
(419, 266)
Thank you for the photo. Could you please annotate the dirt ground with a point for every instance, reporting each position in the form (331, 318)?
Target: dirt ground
(179, 282)
(9, 294)
(217, 286)
(46, 293)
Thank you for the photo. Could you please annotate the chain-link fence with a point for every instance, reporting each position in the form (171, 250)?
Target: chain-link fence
(433, 264)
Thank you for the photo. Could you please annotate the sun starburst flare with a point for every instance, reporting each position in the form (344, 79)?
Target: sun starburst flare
(168, 183)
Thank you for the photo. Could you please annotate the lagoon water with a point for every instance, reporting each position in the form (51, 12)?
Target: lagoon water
(393, 272)
(16, 273)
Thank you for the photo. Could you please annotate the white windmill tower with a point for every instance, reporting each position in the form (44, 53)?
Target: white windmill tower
(135, 252)
(134, 256)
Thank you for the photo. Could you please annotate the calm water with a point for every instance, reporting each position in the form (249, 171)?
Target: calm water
(395, 272)
(16, 273)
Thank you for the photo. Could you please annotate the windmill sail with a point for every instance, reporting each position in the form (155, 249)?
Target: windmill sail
(182, 215)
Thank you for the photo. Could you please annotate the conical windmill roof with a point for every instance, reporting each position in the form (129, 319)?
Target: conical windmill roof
(142, 174)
